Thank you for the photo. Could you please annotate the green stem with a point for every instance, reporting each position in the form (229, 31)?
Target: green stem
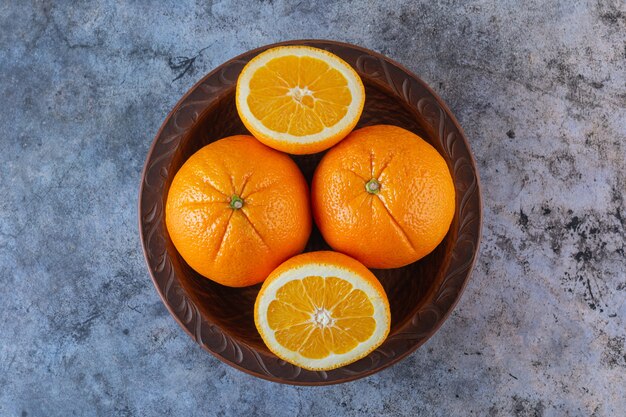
(236, 202)
(372, 186)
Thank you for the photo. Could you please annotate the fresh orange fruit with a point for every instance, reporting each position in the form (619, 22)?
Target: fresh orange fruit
(383, 196)
(322, 310)
(299, 99)
(236, 209)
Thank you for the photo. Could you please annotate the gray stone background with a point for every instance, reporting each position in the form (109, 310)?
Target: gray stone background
(540, 90)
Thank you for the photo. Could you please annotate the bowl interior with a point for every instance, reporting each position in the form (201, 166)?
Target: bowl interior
(232, 308)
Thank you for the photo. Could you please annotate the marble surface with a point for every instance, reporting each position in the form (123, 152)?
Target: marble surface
(540, 90)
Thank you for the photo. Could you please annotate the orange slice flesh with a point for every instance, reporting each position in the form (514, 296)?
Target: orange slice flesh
(299, 99)
(322, 310)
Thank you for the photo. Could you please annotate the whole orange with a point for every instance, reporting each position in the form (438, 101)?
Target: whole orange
(384, 196)
(237, 209)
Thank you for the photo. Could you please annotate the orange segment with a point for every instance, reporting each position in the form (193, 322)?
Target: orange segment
(342, 341)
(311, 69)
(314, 288)
(299, 99)
(294, 293)
(278, 119)
(331, 79)
(304, 121)
(293, 337)
(356, 304)
(361, 328)
(337, 290)
(285, 68)
(322, 310)
(266, 106)
(340, 97)
(329, 113)
(314, 346)
(266, 78)
(281, 315)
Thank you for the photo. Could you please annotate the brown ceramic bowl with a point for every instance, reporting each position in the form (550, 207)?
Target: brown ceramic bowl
(219, 318)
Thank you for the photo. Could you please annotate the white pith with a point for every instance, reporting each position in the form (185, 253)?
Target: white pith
(298, 92)
(322, 317)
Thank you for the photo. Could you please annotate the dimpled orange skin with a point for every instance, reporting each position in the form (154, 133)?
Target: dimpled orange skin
(400, 222)
(238, 247)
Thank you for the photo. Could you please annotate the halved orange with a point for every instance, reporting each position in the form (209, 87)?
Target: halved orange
(299, 99)
(322, 310)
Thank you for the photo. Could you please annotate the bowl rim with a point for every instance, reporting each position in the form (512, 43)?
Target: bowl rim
(477, 238)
